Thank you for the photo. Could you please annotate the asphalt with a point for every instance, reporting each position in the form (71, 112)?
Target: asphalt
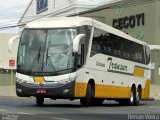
(10, 91)
(26, 109)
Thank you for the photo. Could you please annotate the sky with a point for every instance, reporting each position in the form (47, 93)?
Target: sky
(11, 11)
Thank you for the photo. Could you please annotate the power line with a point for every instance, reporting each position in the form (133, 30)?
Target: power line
(12, 8)
(12, 26)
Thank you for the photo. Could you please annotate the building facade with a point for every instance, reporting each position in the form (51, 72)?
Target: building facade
(140, 19)
(42, 8)
(5, 56)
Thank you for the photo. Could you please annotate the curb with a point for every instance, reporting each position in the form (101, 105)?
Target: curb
(7, 95)
(150, 99)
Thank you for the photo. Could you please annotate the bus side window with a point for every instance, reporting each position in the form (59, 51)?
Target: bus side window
(139, 53)
(107, 44)
(147, 55)
(97, 43)
(95, 47)
(117, 43)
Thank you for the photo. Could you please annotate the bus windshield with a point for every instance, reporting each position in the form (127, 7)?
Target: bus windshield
(46, 50)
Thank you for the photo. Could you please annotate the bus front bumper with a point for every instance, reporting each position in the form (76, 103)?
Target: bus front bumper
(54, 91)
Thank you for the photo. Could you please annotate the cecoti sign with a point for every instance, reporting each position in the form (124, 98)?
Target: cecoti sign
(129, 22)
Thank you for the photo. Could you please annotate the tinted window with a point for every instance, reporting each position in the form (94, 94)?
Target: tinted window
(147, 54)
(97, 43)
(109, 44)
(138, 53)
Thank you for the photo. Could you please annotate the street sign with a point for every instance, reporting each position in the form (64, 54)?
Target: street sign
(11, 63)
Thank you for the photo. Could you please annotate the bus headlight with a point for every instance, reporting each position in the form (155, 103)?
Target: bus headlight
(72, 79)
(66, 81)
(20, 81)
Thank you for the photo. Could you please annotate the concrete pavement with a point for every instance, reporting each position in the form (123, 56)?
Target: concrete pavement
(155, 91)
(7, 91)
(28, 106)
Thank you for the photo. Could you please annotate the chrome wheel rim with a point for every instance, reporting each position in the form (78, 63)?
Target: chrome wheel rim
(137, 96)
(132, 97)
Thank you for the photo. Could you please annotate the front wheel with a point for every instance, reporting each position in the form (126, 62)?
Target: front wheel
(86, 101)
(39, 101)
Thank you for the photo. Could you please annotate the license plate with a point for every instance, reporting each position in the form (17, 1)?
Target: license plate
(41, 91)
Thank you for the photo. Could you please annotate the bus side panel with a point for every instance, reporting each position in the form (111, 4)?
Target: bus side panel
(145, 91)
(80, 89)
(109, 84)
(80, 84)
(110, 91)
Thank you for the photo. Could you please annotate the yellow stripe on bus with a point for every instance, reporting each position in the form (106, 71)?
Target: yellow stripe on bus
(80, 89)
(139, 72)
(103, 91)
(110, 91)
(145, 91)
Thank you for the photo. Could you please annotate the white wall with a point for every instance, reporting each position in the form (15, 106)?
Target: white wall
(53, 5)
(5, 56)
(62, 7)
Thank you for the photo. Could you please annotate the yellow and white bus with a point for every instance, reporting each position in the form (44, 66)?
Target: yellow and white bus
(81, 58)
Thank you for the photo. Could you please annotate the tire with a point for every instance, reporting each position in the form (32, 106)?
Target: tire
(132, 99)
(137, 98)
(39, 101)
(86, 101)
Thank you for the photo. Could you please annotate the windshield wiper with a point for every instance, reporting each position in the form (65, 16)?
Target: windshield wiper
(47, 56)
(36, 57)
(39, 54)
(50, 62)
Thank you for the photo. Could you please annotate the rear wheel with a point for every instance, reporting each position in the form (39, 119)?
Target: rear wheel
(86, 101)
(132, 98)
(138, 97)
(39, 101)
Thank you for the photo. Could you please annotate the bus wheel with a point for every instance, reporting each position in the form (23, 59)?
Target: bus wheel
(132, 98)
(137, 98)
(39, 101)
(86, 101)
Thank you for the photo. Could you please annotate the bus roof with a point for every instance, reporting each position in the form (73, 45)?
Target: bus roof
(53, 22)
(62, 22)
(112, 30)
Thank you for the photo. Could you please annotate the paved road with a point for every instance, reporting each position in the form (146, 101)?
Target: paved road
(25, 108)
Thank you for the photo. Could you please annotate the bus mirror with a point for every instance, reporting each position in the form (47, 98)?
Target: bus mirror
(76, 42)
(11, 41)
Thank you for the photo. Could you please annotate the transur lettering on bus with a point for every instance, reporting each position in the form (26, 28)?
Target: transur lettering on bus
(100, 64)
(116, 66)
